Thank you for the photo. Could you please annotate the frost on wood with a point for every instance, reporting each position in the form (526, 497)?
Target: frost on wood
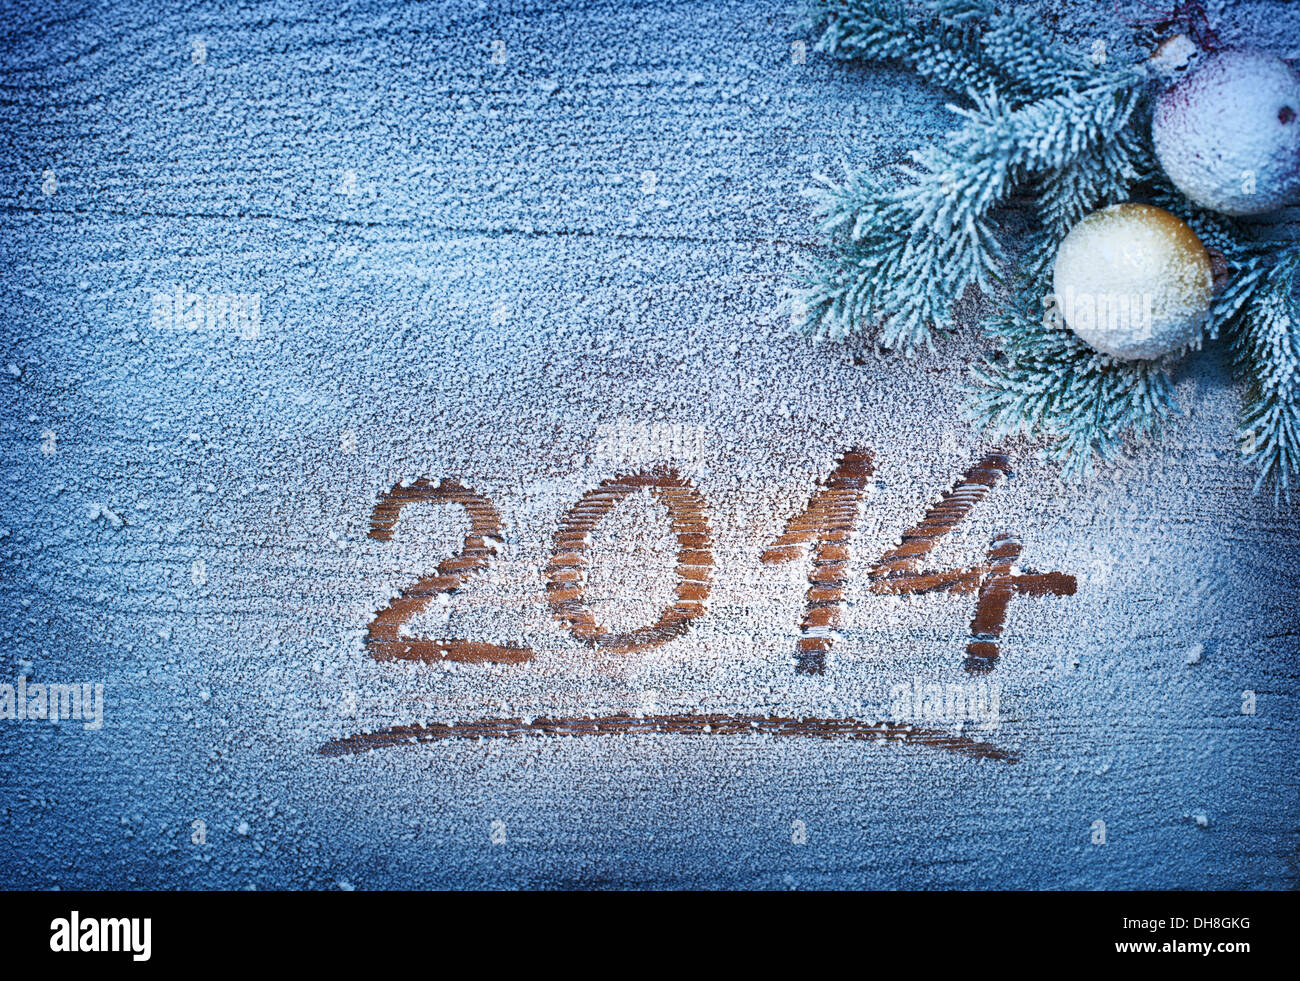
(227, 617)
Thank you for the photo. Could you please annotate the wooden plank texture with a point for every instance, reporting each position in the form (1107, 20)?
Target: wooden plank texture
(488, 525)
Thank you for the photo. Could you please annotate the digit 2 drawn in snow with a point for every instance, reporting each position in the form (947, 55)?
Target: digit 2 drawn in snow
(387, 640)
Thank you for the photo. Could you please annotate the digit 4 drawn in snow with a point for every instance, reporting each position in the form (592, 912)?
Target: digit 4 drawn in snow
(827, 523)
(996, 582)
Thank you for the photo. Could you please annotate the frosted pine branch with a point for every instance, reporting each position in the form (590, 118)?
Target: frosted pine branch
(942, 210)
(1266, 344)
(1052, 384)
(945, 51)
(954, 44)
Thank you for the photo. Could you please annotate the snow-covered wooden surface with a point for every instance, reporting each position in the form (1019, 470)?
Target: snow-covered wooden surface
(527, 248)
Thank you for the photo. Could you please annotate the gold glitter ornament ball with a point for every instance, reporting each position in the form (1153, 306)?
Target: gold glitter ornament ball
(1134, 282)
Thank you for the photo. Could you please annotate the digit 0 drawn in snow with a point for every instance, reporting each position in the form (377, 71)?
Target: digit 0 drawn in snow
(565, 573)
(385, 639)
(996, 581)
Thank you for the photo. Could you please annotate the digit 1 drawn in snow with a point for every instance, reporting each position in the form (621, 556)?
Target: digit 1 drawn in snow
(996, 581)
(828, 522)
(565, 573)
(385, 639)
